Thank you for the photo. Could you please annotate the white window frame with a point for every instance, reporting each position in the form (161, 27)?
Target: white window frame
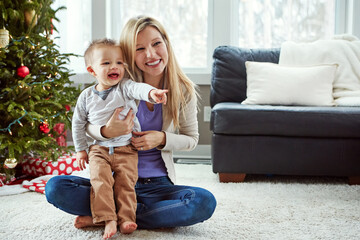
(346, 19)
(222, 20)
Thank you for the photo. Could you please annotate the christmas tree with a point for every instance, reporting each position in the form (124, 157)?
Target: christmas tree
(36, 91)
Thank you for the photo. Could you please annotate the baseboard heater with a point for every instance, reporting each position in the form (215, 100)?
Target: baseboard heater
(200, 155)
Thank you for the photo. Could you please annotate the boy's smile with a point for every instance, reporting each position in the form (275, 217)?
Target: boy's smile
(114, 76)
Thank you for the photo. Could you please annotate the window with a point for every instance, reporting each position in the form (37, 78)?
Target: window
(268, 23)
(75, 30)
(196, 28)
(185, 21)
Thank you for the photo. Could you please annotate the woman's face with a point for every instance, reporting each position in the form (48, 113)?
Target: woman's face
(151, 55)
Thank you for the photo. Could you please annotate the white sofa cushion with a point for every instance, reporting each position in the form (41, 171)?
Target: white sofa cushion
(273, 84)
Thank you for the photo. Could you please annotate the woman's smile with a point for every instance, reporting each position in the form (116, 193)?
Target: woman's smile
(153, 63)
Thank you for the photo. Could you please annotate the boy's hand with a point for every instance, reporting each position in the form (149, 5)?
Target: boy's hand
(81, 158)
(158, 95)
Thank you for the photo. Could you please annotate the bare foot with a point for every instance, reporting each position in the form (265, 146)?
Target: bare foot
(84, 221)
(110, 229)
(128, 227)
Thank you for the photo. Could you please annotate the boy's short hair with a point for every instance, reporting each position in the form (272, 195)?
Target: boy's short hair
(93, 45)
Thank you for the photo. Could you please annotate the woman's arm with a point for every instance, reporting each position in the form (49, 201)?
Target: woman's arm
(113, 128)
(187, 137)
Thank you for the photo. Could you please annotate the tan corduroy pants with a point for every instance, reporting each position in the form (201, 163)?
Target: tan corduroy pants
(113, 178)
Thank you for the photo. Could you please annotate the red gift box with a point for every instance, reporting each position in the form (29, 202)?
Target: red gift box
(65, 165)
(37, 186)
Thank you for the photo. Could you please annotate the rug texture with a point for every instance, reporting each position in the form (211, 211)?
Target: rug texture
(276, 207)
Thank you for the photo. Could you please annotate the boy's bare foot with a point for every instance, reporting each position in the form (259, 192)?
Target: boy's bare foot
(110, 229)
(128, 227)
(84, 221)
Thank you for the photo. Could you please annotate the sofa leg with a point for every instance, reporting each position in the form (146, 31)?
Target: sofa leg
(232, 177)
(354, 180)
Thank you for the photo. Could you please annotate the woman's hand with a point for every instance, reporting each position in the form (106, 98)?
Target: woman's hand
(116, 127)
(148, 140)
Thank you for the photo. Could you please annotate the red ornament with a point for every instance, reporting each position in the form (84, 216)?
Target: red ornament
(60, 128)
(23, 71)
(52, 27)
(67, 107)
(44, 127)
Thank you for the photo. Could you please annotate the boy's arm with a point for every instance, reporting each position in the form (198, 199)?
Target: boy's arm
(79, 121)
(134, 90)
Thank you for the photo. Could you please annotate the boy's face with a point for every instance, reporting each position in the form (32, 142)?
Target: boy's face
(107, 66)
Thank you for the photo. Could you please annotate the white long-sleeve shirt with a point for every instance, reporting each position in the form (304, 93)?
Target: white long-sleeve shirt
(97, 107)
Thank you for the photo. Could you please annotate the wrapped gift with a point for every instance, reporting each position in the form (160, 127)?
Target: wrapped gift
(36, 186)
(65, 165)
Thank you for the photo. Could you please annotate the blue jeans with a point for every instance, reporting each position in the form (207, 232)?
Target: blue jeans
(159, 203)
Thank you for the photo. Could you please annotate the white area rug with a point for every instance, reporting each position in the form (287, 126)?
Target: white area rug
(262, 208)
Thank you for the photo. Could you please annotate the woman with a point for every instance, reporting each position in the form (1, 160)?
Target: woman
(165, 128)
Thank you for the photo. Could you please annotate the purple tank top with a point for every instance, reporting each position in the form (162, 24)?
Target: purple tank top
(150, 163)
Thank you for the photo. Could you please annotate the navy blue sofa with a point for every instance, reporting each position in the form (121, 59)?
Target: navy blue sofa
(266, 139)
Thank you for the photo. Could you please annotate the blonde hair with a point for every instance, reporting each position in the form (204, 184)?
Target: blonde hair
(181, 88)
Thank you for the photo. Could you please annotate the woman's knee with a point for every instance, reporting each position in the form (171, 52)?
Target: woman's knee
(70, 194)
(206, 203)
(52, 188)
(209, 198)
(58, 187)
